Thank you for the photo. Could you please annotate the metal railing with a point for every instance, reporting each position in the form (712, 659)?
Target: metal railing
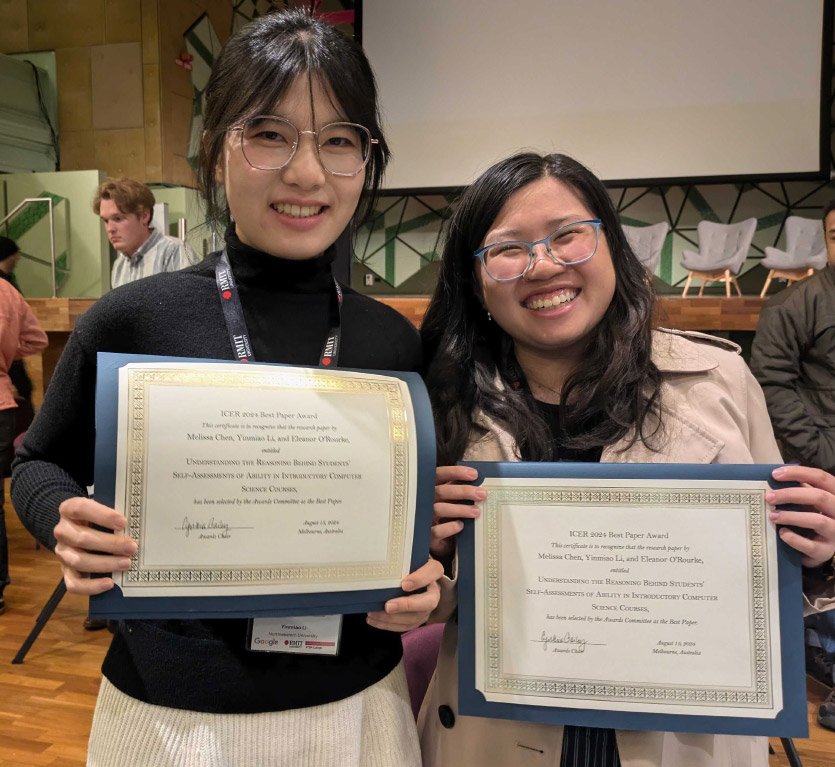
(22, 204)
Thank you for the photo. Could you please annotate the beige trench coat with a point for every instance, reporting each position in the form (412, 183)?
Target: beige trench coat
(713, 411)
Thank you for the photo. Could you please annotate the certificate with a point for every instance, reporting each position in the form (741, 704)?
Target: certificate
(262, 489)
(652, 597)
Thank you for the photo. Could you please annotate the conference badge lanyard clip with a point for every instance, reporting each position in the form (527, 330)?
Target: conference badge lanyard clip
(303, 635)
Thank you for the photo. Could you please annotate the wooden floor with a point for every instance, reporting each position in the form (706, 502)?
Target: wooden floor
(46, 704)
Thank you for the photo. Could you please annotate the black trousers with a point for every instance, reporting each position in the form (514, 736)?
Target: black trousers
(7, 435)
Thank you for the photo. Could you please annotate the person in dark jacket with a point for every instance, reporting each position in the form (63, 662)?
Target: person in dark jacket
(793, 358)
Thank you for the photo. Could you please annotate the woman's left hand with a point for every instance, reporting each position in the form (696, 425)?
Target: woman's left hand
(405, 613)
(816, 494)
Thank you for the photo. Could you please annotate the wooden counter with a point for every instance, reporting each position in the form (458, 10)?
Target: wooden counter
(710, 314)
(706, 314)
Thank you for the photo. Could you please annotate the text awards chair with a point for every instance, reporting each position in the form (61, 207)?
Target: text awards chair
(647, 242)
(805, 252)
(723, 249)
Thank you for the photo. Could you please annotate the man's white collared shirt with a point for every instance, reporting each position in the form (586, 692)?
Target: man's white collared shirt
(159, 253)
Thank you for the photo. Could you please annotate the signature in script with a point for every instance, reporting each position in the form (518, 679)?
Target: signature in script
(217, 526)
(566, 642)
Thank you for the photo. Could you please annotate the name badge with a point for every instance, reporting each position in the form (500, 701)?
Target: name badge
(307, 635)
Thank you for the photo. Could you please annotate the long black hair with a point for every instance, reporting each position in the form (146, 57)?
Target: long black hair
(260, 63)
(605, 399)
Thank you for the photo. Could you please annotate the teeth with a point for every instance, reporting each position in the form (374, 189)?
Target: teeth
(297, 211)
(557, 299)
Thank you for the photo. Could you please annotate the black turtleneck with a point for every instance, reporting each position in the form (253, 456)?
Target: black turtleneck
(202, 665)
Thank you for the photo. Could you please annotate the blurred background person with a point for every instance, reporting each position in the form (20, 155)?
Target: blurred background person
(25, 413)
(793, 358)
(20, 336)
(126, 207)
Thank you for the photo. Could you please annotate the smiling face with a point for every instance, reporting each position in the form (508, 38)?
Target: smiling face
(552, 308)
(126, 231)
(300, 210)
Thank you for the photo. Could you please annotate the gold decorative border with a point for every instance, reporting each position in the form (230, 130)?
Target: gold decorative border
(760, 695)
(139, 382)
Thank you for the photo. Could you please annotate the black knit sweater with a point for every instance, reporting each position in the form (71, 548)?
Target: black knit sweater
(194, 664)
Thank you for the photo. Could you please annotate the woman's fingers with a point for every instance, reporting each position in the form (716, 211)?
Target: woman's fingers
(815, 477)
(444, 474)
(456, 500)
(451, 493)
(406, 613)
(424, 602)
(88, 562)
(445, 511)
(80, 536)
(815, 551)
(79, 583)
(423, 576)
(816, 497)
(82, 549)
(445, 530)
(452, 502)
(89, 511)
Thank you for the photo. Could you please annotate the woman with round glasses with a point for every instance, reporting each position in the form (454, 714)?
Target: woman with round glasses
(293, 142)
(540, 346)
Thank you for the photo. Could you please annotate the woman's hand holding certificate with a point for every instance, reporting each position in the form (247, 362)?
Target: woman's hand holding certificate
(83, 550)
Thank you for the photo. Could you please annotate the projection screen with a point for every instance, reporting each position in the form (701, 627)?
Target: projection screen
(638, 89)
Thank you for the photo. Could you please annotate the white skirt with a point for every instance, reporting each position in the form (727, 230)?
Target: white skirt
(374, 728)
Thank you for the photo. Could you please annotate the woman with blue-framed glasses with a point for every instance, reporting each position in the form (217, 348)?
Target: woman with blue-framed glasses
(541, 347)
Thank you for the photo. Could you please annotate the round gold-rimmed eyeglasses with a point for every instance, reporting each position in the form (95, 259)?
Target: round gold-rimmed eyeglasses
(269, 143)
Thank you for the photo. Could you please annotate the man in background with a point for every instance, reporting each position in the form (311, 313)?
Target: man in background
(793, 358)
(20, 336)
(126, 208)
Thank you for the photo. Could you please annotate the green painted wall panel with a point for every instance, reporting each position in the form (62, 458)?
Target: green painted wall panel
(80, 237)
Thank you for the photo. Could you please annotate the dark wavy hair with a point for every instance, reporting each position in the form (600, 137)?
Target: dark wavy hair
(259, 64)
(603, 401)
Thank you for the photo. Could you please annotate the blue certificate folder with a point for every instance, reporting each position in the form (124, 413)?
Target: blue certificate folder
(112, 604)
(790, 722)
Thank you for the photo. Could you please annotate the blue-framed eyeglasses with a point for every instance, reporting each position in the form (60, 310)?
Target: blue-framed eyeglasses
(570, 245)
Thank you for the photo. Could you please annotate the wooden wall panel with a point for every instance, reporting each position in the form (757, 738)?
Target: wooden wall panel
(75, 89)
(123, 21)
(153, 125)
(176, 93)
(174, 20)
(220, 14)
(55, 25)
(121, 152)
(116, 73)
(150, 32)
(14, 31)
(176, 122)
(78, 150)
(106, 93)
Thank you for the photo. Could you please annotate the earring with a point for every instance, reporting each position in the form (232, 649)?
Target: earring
(489, 317)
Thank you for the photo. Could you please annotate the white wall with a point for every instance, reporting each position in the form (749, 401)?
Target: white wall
(637, 89)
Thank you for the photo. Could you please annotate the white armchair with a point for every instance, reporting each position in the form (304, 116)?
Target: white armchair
(647, 242)
(805, 251)
(723, 249)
